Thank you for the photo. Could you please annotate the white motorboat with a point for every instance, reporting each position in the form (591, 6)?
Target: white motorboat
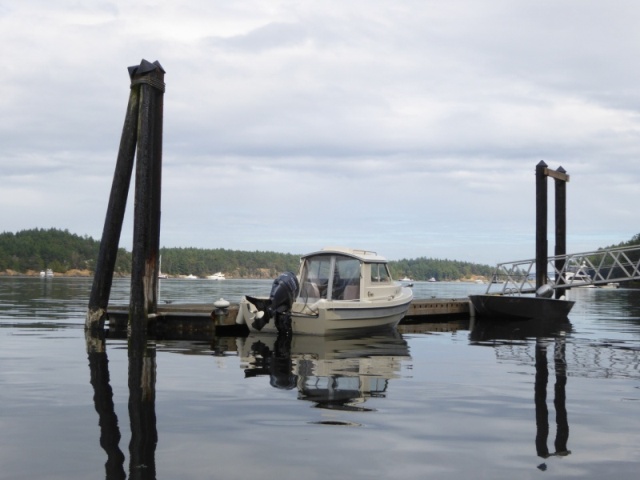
(340, 290)
(579, 277)
(216, 276)
(48, 273)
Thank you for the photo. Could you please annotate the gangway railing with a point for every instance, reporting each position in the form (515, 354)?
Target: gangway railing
(596, 268)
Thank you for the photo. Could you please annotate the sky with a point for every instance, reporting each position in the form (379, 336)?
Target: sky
(410, 128)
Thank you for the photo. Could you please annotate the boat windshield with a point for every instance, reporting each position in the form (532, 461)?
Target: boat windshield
(380, 273)
(332, 277)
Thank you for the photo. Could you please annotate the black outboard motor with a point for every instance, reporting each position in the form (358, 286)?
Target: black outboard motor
(283, 293)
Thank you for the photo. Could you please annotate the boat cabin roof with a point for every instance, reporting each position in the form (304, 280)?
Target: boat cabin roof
(366, 256)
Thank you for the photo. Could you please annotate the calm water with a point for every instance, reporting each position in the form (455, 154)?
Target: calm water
(451, 400)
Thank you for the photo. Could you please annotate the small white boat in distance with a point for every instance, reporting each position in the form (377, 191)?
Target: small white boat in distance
(48, 273)
(579, 277)
(341, 290)
(216, 276)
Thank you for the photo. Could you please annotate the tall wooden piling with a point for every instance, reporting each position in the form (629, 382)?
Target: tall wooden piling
(561, 178)
(541, 224)
(561, 226)
(105, 266)
(146, 231)
(142, 129)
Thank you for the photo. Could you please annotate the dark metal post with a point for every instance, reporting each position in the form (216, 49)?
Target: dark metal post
(103, 276)
(146, 231)
(561, 228)
(541, 224)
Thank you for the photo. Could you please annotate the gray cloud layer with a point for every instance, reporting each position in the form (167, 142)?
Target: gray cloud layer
(411, 128)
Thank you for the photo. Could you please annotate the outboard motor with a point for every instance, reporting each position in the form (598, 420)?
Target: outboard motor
(283, 293)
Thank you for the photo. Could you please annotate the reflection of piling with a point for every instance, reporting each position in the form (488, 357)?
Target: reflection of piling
(559, 402)
(142, 412)
(142, 128)
(103, 402)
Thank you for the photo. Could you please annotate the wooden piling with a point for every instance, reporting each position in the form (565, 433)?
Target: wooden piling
(146, 232)
(561, 226)
(541, 224)
(105, 266)
(142, 130)
(561, 178)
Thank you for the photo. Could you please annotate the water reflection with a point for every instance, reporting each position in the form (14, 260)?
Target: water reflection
(544, 333)
(103, 402)
(332, 372)
(142, 417)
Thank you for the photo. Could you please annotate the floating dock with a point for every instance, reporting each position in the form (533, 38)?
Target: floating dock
(192, 321)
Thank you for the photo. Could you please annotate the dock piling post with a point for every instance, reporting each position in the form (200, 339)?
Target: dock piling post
(105, 266)
(561, 229)
(142, 130)
(146, 231)
(541, 224)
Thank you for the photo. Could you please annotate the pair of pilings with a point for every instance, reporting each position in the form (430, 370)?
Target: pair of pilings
(561, 178)
(142, 131)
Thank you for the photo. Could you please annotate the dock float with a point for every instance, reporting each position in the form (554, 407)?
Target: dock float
(192, 321)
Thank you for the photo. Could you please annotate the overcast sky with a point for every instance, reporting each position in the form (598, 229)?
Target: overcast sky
(412, 128)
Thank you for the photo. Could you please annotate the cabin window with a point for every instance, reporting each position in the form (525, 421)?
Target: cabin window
(346, 279)
(330, 277)
(380, 273)
(315, 276)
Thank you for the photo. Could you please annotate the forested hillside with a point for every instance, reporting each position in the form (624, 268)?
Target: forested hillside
(30, 251)
(59, 250)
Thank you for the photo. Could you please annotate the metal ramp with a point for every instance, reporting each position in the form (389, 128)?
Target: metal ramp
(596, 268)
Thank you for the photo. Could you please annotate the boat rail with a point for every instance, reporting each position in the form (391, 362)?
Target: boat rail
(597, 268)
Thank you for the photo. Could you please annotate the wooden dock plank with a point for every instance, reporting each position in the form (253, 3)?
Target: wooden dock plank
(190, 320)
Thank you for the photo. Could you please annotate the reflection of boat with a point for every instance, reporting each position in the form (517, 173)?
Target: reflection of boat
(519, 306)
(341, 290)
(486, 332)
(216, 276)
(333, 372)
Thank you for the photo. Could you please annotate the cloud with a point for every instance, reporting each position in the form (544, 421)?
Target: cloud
(411, 128)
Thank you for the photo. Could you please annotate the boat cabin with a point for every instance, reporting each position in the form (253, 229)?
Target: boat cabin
(344, 274)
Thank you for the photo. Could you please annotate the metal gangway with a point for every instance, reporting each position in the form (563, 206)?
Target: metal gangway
(597, 268)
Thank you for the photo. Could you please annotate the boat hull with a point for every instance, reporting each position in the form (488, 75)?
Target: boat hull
(337, 317)
(505, 307)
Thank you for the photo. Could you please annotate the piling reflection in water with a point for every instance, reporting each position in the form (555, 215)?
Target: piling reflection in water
(544, 332)
(142, 413)
(103, 401)
(332, 372)
(142, 417)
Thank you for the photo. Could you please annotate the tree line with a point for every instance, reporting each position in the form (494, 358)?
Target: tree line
(39, 249)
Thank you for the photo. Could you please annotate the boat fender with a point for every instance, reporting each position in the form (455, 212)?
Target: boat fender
(240, 315)
(545, 291)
